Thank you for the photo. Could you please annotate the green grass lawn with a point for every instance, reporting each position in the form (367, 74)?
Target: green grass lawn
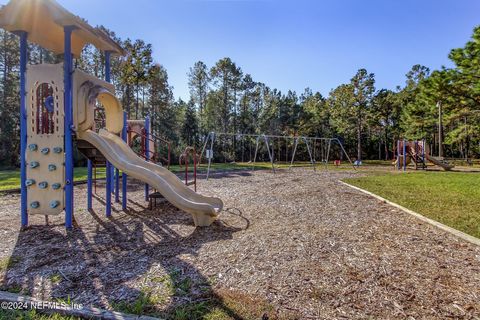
(10, 179)
(452, 198)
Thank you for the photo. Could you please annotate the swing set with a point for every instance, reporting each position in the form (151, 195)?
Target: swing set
(312, 145)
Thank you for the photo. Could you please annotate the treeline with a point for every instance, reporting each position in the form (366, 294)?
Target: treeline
(224, 98)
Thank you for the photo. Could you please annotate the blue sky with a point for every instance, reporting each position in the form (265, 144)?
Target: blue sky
(291, 44)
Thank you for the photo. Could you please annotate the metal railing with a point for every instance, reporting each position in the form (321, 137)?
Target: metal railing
(184, 159)
(147, 154)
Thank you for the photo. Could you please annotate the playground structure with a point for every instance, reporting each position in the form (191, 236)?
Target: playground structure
(418, 153)
(141, 129)
(184, 160)
(267, 140)
(57, 106)
(149, 150)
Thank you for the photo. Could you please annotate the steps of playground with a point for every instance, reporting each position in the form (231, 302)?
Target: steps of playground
(91, 153)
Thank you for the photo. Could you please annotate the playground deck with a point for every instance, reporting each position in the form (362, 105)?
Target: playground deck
(294, 244)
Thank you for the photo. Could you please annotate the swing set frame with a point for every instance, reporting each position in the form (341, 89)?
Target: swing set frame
(266, 139)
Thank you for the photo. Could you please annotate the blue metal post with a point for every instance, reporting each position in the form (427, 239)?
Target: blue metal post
(124, 175)
(398, 154)
(117, 185)
(89, 184)
(109, 167)
(107, 78)
(147, 151)
(108, 187)
(107, 66)
(115, 172)
(67, 79)
(404, 155)
(23, 126)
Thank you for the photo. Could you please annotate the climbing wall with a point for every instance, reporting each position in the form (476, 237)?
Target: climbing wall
(45, 139)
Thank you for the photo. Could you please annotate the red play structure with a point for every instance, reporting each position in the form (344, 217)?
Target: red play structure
(418, 153)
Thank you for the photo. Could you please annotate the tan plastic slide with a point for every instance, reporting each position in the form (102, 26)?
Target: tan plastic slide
(204, 210)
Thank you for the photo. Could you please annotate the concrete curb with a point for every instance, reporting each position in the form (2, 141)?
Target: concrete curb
(12, 301)
(437, 224)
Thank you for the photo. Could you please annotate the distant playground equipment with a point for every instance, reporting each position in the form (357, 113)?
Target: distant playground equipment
(57, 106)
(141, 129)
(312, 144)
(184, 160)
(418, 153)
(190, 180)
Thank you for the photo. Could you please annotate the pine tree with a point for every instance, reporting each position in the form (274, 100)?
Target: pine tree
(163, 111)
(315, 120)
(10, 99)
(190, 133)
(363, 89)
(198, 82)
(386, 109)
(226, 77)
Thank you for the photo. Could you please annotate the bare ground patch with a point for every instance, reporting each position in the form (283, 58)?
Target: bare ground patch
(294, 245)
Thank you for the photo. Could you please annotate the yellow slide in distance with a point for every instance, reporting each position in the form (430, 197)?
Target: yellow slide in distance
(445, 166)
(204, 210)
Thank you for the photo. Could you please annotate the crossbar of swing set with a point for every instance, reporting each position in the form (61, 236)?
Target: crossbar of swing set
(305, 139)
(266, 135)
(211, 136)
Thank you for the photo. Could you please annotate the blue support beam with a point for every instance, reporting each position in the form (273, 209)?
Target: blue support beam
(147, 151)
(67, 79)
(108, 195)
(89, 184)
(117, 185)
(398, 154)
(108, 79)
(124, 175)
(109, 169)
(23, 126)
(107, 66)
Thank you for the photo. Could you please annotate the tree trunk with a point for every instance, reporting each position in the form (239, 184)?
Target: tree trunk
(359, 141)
(136, 102)
(379, 150)
(143, 101)
(387, 156)
(467, 140)
(127, 90)
(440, 130)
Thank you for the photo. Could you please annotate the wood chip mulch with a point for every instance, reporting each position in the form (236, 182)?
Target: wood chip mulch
(300, 240)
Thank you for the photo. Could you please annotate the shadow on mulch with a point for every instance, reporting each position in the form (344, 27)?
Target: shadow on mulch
(99, 260)
(246, 172)
(220, 174)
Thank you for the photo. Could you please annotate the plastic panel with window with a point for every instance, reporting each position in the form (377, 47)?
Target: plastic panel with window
(45, 139)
